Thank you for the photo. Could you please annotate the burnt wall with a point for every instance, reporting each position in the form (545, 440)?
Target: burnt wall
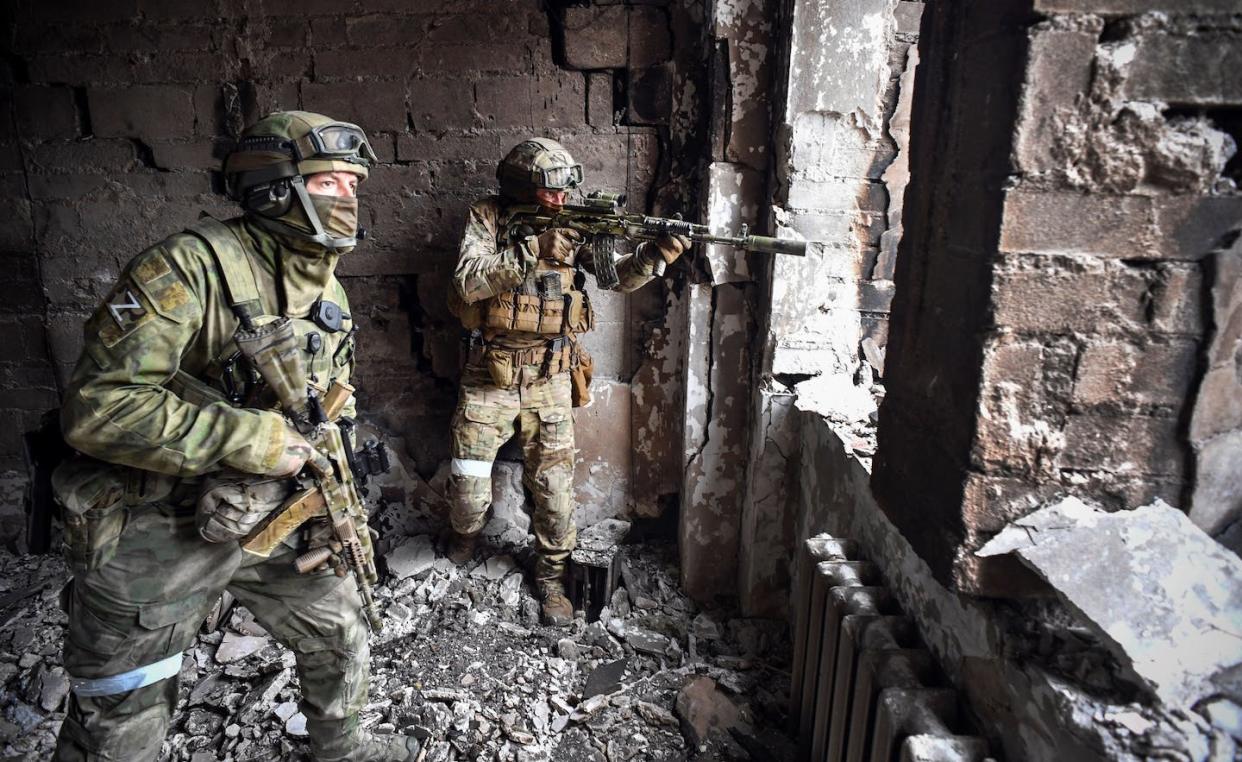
(114, 118)
(1072, 177)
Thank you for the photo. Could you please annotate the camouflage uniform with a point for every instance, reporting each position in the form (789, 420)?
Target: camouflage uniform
(147, 407)
(494, 261)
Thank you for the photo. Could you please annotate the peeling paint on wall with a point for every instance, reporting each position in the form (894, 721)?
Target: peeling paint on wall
(715, 447)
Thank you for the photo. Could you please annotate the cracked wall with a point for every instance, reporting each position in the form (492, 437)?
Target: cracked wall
(115, 117)
(1049, 327)
(837, 180)
(718, 307)
(807, 135)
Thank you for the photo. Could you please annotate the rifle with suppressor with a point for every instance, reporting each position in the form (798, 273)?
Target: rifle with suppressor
(328, 485)
(602, 219)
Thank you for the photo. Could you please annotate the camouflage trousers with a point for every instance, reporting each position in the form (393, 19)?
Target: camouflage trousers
(148, 602)
(483, 421)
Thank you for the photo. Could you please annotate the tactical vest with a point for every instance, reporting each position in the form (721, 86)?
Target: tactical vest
(550, 302)
(327, 333)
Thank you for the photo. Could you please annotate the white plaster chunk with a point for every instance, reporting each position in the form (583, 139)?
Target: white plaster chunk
(835, 397)
(236, 647)
(1162, 594)
(412, 558)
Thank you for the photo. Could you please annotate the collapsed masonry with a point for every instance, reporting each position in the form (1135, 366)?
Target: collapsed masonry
(463, 664)
(1024, 265)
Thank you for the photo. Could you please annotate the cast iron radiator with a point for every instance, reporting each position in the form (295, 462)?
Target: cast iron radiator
(864, 689)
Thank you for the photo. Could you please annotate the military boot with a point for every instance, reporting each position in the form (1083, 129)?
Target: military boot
(344, 741)
(550, 582)
(556, 608)
(460, 547)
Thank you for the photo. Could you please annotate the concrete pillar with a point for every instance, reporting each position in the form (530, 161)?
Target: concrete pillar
(837, 180)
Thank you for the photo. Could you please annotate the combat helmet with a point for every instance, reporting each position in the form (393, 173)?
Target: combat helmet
(537, 163)
(265, 172)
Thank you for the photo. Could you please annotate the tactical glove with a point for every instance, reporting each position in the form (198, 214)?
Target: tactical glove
(294, 455)
(670, 247)
(232, 504)
(558, 244)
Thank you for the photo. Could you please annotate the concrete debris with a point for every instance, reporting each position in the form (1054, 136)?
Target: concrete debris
(412, 558)
(236, 647)
(494, 568)
(598, 543)
(1225, 715)
(510, 689)
(704, 710)
(1159, 592)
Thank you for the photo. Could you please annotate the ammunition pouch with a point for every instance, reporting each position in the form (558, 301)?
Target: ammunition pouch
(534, 313)
(541, 305)
(93, 495)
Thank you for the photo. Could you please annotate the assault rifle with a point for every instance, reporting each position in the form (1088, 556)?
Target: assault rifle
(328, 486)
(602, 219)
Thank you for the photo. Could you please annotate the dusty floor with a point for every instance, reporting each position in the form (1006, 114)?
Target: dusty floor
(463, 662)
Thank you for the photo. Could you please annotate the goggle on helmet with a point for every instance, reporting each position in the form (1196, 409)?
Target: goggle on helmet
(266, 171)
(558, 178)
(339, 141)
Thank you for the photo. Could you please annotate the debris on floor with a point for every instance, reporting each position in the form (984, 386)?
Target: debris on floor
(463, 663)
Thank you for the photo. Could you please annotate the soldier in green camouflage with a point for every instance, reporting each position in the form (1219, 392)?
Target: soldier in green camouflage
(520, 293)
(168, 423)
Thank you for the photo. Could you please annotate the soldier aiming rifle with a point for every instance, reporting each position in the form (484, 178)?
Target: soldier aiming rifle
(518, 290)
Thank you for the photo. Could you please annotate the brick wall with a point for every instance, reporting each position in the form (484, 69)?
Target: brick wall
(1051, 310)
(115, 117)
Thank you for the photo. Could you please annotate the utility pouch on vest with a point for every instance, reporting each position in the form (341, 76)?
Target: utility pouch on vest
(272, 348)
(500, 367)
(579, 317)
(92, 494)
(470, 315)
(580, 373)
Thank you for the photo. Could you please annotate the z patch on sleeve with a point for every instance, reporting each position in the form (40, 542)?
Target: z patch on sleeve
(123, 311)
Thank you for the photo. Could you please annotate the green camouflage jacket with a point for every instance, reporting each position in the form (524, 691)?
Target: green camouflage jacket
(146, 391)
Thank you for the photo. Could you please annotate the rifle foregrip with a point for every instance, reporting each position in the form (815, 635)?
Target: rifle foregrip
(770, 245)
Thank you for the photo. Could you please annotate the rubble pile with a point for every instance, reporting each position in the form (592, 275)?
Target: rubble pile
(462, 663)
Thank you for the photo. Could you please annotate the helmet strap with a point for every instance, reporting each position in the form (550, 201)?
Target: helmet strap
(297, 184)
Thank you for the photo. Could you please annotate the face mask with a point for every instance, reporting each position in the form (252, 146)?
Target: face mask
(337, 214)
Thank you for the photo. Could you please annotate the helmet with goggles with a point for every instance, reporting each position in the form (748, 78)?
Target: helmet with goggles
(535, 164)
(266, 171)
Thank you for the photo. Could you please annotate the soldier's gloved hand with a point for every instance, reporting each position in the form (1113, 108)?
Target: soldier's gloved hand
(670, 247)
(232, 504)
(558, 244)
(294, 455)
